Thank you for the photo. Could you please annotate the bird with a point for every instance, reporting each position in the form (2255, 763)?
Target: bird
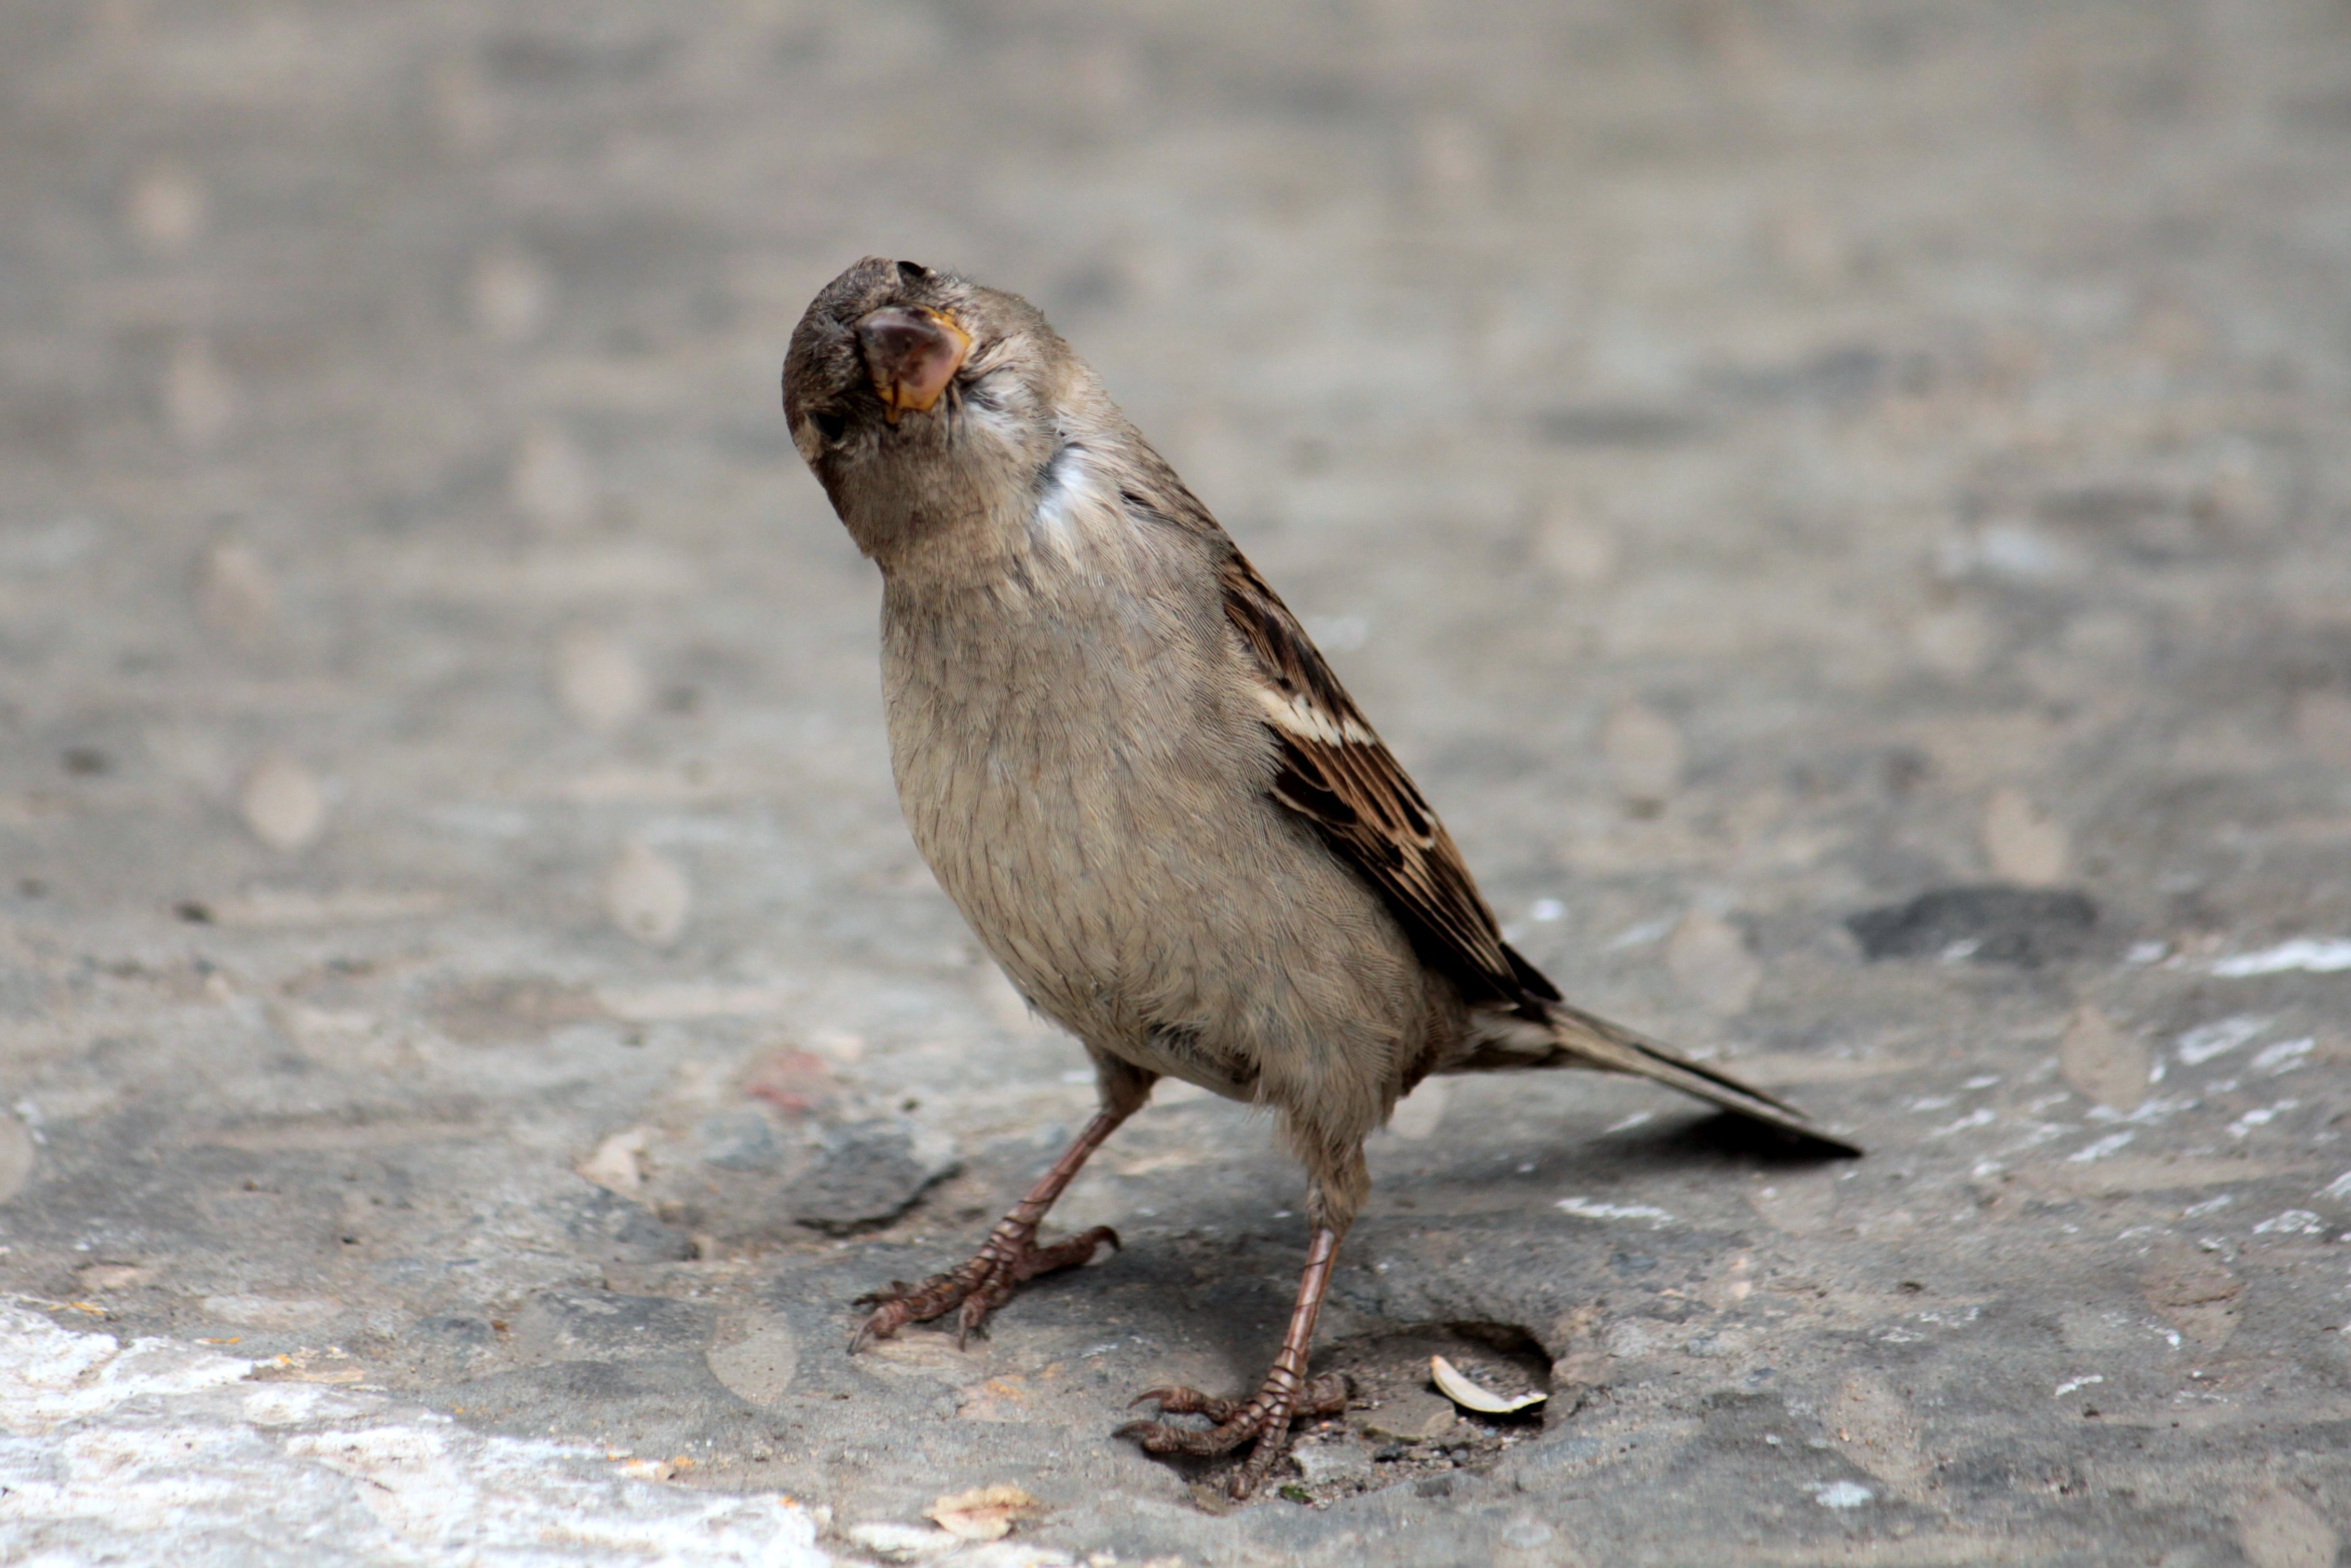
(1152, 802)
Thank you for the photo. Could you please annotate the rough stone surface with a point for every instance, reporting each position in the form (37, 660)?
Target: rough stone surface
(159, 1450)
(450, 896)
(1993, 924)
(867, 1176)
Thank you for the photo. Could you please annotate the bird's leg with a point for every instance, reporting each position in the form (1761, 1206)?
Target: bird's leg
(1284, 1397)
(1011, 1256)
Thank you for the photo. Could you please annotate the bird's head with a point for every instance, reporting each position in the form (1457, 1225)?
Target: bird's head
(920, 400)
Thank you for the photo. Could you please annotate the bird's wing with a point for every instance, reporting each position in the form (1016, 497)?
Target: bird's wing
(1336, 773)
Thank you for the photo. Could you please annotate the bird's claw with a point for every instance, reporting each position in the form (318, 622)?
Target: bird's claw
(1011, 1258)
(1265, 1417)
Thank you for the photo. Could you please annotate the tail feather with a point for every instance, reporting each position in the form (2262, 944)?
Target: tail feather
(1579, 1038)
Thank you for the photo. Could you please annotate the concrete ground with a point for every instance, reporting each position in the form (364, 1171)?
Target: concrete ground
(1846, 507)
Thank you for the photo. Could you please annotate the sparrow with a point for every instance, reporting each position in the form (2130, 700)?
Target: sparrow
(1153, 803)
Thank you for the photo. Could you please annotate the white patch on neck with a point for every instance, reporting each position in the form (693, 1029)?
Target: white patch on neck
(1071, 488)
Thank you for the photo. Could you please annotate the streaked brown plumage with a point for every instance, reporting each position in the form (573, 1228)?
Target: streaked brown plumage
(1147, 793)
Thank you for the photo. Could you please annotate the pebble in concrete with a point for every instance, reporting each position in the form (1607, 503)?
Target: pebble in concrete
(200, 402)
(869, 1173)
(1644, 754)
(2108, 1066)
(549, 483)
(598, 678)
(283, 803)
(647, 896)
(2024, 844)
(1709, 956)
(1579, 550)
(236, 594)
(165, 209)
(510, 295)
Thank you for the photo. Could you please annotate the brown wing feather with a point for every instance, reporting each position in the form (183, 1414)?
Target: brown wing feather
(1335, 772)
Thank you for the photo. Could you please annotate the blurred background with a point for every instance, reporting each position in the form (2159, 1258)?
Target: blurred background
(1773, 471)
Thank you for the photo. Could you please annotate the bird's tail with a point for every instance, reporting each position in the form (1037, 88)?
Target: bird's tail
(1570, 1037)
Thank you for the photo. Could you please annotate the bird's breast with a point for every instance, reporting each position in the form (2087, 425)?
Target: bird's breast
(1063, 751)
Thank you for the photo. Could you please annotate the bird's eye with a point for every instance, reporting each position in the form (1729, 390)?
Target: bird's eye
(829, 426)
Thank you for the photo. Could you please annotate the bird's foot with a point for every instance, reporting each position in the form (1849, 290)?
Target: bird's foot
(1266, 1416)
(1011, 1258)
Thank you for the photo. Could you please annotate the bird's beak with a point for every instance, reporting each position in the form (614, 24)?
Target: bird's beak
(911, 354)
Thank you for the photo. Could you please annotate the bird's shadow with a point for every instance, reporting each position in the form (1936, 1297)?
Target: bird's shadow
(1726, 1136)
(1721, 1143)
